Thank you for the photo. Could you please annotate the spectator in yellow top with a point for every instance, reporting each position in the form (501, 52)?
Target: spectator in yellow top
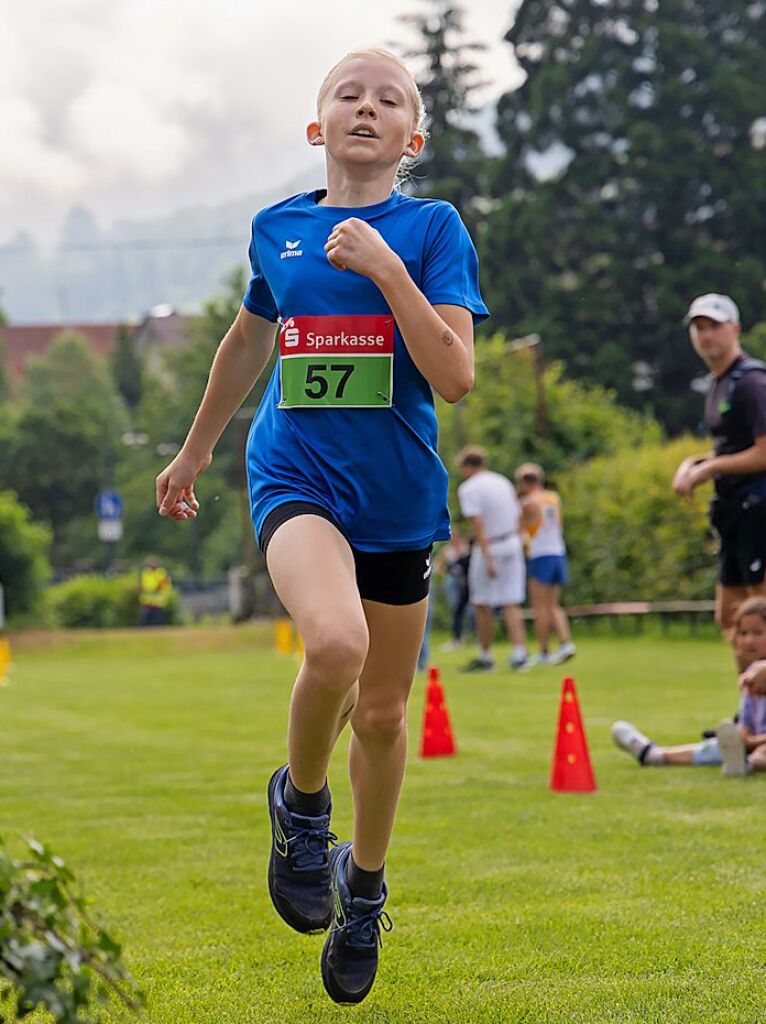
(542, 526)
(156, 592)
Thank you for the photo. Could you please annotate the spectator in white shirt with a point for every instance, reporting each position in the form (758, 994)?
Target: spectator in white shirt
(496, 572)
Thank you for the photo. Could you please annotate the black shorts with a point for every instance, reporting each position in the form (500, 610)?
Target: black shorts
(389, 577)
(741, 527)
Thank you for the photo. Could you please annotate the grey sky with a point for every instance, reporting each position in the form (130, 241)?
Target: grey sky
(137, 107)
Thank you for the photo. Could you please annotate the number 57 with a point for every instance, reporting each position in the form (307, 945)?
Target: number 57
(317, 383)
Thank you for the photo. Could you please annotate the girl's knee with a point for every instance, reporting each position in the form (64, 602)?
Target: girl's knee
(336, 652)
(381, 724)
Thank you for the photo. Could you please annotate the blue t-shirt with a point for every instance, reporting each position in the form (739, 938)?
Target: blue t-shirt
(375, 470)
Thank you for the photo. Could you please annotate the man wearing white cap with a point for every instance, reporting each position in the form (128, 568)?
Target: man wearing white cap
(735, 415)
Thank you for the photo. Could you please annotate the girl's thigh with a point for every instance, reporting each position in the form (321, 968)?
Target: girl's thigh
(312, 569)
(396, 633)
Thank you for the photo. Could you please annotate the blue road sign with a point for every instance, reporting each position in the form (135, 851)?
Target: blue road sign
(109, 505)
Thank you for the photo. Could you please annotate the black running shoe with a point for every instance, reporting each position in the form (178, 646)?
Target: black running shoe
(299, 869)
(350, 954)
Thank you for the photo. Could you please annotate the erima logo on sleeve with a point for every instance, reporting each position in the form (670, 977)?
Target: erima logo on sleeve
(291, 249)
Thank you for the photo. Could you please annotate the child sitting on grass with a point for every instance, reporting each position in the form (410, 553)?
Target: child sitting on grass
(740, 748)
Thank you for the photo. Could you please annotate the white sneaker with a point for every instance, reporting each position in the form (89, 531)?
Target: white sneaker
(732, 749)
(452, 645)
(631, 740)
(543, 658)
(564, 653)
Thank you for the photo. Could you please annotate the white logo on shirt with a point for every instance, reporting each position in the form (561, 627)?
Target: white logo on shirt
(756, 565)
(290, 333)
(291, 249)
(427, 573)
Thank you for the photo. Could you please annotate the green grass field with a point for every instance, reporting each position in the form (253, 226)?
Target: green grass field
(143, 759)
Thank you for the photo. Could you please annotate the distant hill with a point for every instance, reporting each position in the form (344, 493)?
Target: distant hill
(94, 276)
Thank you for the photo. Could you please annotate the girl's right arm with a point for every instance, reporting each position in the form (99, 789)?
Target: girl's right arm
(237, 365)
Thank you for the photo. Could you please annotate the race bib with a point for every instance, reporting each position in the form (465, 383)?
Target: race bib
(336, 362)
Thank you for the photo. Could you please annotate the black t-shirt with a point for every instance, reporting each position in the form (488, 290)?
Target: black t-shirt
(735, 414)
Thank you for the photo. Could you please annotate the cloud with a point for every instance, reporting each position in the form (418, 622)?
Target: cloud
(135, 106)
(28, 160)
(123, 132)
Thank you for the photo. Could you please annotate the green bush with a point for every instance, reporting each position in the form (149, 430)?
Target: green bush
(629, 535)
(23, 556)
(53, 956)
(583, 421)
(99, 602)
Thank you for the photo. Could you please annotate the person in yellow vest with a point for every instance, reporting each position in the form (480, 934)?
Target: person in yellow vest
(156, 592)
(547, 573)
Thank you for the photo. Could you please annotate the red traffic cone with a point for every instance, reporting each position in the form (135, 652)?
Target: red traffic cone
(571, 771)
(437, 739)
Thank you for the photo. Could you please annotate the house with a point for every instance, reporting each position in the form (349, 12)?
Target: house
(23, 342)
(161, 329)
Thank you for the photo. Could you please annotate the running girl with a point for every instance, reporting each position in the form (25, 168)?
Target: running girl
(347, 491)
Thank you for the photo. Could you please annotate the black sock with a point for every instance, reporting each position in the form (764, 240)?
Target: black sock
(367, 884)
(310, 805)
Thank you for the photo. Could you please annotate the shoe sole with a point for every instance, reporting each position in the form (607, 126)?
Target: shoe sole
(296, 922)
(732, 750)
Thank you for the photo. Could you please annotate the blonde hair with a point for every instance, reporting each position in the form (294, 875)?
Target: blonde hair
(413, 92)
(752, 606)
(530, 471)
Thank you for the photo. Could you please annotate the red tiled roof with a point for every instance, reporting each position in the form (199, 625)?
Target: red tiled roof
(24, 342)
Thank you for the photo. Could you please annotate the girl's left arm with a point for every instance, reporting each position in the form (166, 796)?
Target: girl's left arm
(439, 338)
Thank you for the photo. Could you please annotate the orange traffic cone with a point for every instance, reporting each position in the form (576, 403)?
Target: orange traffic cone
(437, 739)
(571, 771)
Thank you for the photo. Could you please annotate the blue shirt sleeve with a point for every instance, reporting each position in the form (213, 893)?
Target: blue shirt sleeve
(450, 264)
(258, 298)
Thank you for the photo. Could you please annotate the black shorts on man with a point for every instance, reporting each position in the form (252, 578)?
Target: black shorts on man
(735, 414)
(740, 522)
(388, 577)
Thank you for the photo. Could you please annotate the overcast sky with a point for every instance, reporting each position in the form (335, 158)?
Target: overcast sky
(137, 107)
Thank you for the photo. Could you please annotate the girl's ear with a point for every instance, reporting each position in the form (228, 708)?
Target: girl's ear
(415, 146)
(314, 134)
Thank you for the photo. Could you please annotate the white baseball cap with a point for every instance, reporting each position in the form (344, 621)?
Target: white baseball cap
(717, 307)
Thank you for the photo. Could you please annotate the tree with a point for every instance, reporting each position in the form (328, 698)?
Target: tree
(502, 415)
(453, 158)
(646, 120)
(3, 356)
(754, 341)
(166, 410)
(23, 556)
(127, 368)
(66, 438)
